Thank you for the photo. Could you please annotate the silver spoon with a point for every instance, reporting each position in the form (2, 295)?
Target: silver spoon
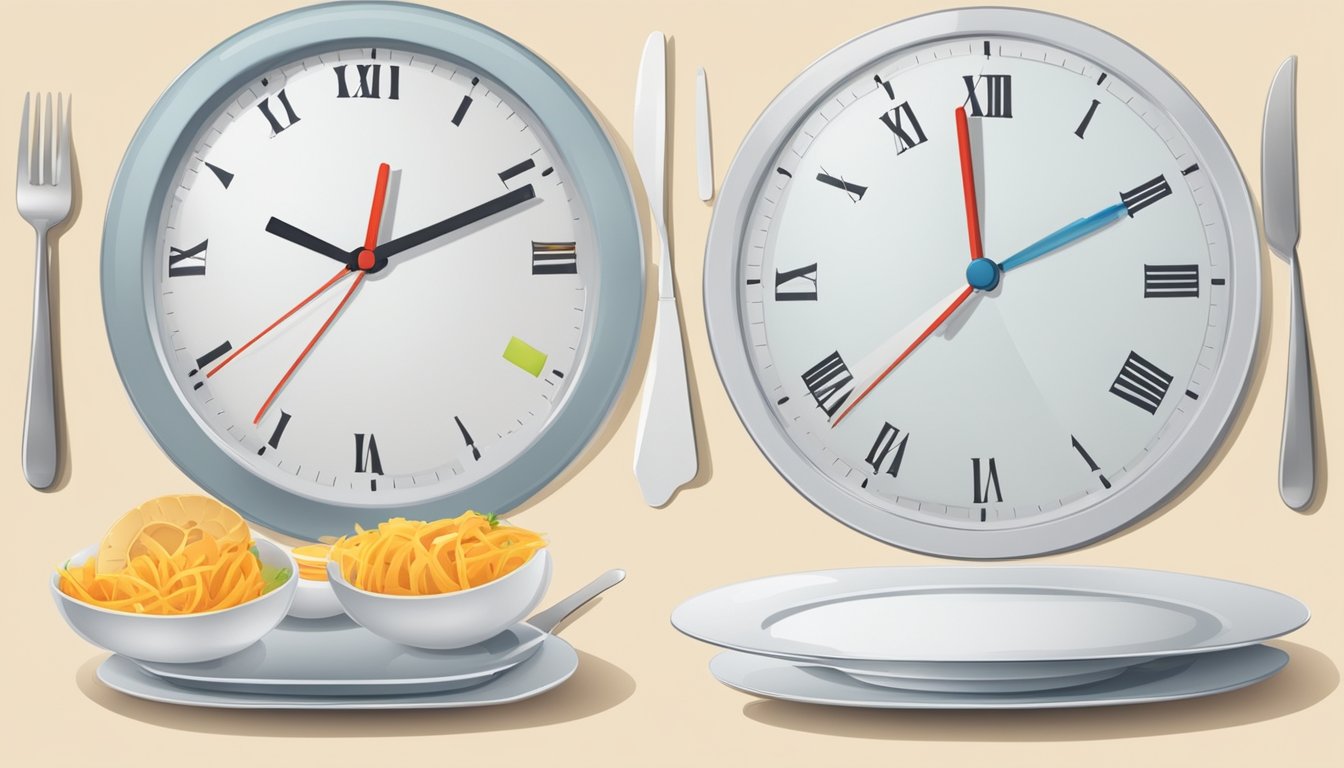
(548, 619)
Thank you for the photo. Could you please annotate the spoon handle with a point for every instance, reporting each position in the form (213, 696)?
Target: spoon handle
(548, 619)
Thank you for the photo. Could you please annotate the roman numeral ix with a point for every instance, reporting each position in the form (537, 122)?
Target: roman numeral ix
(797, 284)
(188, 263)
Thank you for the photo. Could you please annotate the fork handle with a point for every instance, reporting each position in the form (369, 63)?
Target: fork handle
(1297, 453)
(39, 417)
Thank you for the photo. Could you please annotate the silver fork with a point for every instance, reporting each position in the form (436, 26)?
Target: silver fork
(43, 192)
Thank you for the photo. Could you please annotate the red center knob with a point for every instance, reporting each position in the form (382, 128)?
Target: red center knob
(366, 259)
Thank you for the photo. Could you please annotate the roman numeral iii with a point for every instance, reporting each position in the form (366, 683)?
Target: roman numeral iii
(986, 477)
(190, 262)
(1141, 383)
(1170, 281)
(901, 121)
(1146, 194)
(889, 439)
(277, 127)
(554, 259)
(366, 80)
(997, 91)
(829, 382)
(797, 284)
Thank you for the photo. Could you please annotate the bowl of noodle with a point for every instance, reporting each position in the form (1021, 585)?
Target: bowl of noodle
(177, 590)
(443, 584)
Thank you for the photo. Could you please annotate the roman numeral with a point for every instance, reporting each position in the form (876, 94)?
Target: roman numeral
(889, 439)
(466, 438)
(209, 357)
(1087, 119)
(1091, 465)
(1142, 196)
(829, 381)
(290, 117)
(1170, 281)
(366, 455)
(998, 92)
(898, 120)
(279, 430)
(554, 259)
(804, 287)
(854, 191)
(886, 86)
(522, 167)
(367, 81)
(1141, 383)
(188, 263)
(986, 480)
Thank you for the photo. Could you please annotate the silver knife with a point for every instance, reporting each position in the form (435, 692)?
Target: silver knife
(665, 443)
(1278, 192)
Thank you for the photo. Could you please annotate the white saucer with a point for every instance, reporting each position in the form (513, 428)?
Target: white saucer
(1165, 679)
(550, 666)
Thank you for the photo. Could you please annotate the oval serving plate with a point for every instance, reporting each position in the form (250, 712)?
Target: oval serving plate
(337, 657)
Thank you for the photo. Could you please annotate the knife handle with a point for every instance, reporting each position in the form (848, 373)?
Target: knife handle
(665, 456)
(1297, 454)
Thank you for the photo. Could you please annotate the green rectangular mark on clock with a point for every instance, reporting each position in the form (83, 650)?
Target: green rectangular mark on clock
(525, 356)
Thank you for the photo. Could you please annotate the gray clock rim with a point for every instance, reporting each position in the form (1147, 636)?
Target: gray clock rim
(1218, 406)
(147, 169)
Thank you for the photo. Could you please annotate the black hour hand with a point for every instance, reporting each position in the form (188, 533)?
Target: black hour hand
(293, 234)
(453, 223)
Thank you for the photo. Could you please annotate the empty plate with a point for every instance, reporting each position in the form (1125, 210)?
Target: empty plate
(965, 616)
(1165, 679)
(551, 665)
(337, 657)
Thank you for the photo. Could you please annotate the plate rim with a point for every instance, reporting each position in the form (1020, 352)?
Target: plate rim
(695, 616)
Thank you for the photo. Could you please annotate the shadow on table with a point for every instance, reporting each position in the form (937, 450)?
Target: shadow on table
(597, 686)
(1309, 677)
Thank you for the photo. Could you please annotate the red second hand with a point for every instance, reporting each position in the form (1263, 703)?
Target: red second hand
(968, 184)
(961, 299)
(366, 261)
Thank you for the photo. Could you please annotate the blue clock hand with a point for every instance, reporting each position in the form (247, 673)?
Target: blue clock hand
(1065, 235)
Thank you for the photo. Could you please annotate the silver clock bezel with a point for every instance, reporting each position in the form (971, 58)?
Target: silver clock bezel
(133, 216)
(1218, 405)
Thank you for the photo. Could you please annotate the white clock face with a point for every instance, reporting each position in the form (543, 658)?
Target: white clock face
(1035, 398)
(442, 352)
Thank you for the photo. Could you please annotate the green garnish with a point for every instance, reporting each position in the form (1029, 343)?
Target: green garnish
(492, 519)
(272, 577)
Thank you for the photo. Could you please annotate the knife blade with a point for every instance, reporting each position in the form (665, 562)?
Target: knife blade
(665, 457)
(1279, 199)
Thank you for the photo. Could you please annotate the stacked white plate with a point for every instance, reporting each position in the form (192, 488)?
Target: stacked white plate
(337, 664)
(990, 637)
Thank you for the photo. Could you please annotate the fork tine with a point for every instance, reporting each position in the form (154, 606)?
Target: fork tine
(63, 105)
(47, 176)
(23, 143)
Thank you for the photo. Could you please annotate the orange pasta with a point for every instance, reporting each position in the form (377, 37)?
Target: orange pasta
(201, 576)
(410, 557)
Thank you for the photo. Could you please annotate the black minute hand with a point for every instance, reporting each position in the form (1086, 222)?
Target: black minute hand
(453, 223)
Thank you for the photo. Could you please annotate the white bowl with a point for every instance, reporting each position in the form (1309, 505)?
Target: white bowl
(450, 620)
(315, 600)
(180, 639)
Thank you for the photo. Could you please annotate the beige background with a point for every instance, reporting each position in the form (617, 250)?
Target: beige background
(642, 695)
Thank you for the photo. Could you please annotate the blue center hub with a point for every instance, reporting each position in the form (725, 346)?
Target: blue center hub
(983, 274)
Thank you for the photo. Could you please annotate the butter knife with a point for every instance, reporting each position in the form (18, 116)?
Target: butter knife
(665, 442)
(1278, 192)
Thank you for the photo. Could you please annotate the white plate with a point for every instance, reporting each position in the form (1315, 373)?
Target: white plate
(548, 667)
(337, 657)
(968, 615)
(1165, 679)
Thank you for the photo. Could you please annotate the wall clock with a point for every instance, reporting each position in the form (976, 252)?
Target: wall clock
(1029, 401)
(365, 259)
